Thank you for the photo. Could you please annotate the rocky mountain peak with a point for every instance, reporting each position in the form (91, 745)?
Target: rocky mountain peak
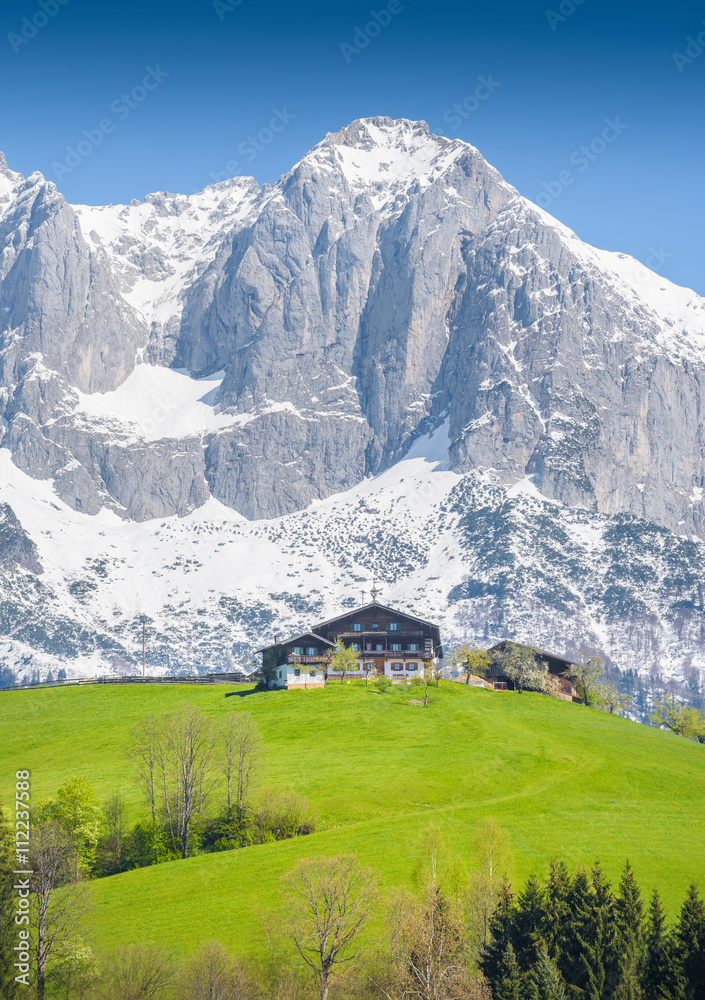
(391, 282)
(288, 355)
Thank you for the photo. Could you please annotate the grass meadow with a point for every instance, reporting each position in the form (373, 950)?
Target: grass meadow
(562, 780)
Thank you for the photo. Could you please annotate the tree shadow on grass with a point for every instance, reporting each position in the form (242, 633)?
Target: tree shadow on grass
(257, 690)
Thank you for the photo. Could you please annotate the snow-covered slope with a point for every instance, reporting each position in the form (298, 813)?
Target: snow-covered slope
(160, 245)
(484, 560)
(244, 402)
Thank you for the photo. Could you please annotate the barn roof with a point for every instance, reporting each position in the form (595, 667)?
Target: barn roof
(525, 645)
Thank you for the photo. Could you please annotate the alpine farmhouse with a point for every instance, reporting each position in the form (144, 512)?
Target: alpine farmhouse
(389, 642)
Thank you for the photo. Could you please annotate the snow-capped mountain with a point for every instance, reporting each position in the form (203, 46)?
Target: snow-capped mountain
(243, 403)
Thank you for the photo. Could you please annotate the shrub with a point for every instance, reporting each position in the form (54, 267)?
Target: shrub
(147, 844)
(226, 831)
(279, 815)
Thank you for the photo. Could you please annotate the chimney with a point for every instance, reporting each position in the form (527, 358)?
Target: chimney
(276, 640)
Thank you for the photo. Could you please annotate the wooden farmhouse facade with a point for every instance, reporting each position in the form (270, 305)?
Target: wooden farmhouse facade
(557, 667)
(390, 642)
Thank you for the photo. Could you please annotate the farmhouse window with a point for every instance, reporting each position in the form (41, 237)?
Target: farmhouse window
(394, 627)
(397, 666)
(412, 666)
(379, 647)
(369, 666)
(375, 624)
(312, 651)
(356, 646)
(297, 673)
(312, 673)
(356, 627)
(395, 647)
(297, 650)
(414, 646)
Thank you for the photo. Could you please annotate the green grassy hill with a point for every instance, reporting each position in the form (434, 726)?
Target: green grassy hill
(562, 780)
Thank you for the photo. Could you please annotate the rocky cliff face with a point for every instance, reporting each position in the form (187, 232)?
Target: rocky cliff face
(267, 348)
(391, 280)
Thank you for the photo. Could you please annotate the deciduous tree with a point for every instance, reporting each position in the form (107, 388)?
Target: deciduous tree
(76, 809)
(58, 900)
(213, 974)
(681, 719)
(8, 929)
(138, 973)
(524, 666)
(494, 857)
(184, 755)
(344, 659)
(586, 673)
(114, 813)
(330, 901)
(610, 699)
(429, 955)
(142, 750)
(172, 755)
(470, 661)
(240, 746)
(74, 972)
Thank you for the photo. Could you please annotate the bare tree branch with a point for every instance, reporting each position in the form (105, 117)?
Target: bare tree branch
(58, 900)
(330, 900)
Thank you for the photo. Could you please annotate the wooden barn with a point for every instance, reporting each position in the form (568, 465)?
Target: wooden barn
(557, 667)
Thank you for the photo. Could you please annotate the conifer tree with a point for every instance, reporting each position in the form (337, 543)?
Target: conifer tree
(509, 985)
(629, 907)
(630, 937)
(530, 923)
(662, 976)
(592, 965)
(545, 981)
(691, 937)
(570, 961)
(557, 909)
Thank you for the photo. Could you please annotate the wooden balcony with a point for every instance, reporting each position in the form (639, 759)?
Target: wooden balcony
(300, 658)
(376, 633)
(395, 654)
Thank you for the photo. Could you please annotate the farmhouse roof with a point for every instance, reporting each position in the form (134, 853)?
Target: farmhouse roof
(294, 638)
(380, 607)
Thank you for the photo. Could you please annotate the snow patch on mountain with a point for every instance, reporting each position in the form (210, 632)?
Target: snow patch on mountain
(679, 311)
(160, 245)
(154, 403)
(389, 285)
(484, 560)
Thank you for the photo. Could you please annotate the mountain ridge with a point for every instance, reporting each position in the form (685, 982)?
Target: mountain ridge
(267, 350)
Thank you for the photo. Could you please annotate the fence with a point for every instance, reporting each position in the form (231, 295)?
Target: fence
(207, 679)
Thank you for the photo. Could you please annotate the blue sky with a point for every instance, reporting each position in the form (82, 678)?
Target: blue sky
(560, 71)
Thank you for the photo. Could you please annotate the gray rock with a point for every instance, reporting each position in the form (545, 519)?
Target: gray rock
(391, 281)
(17, 550)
